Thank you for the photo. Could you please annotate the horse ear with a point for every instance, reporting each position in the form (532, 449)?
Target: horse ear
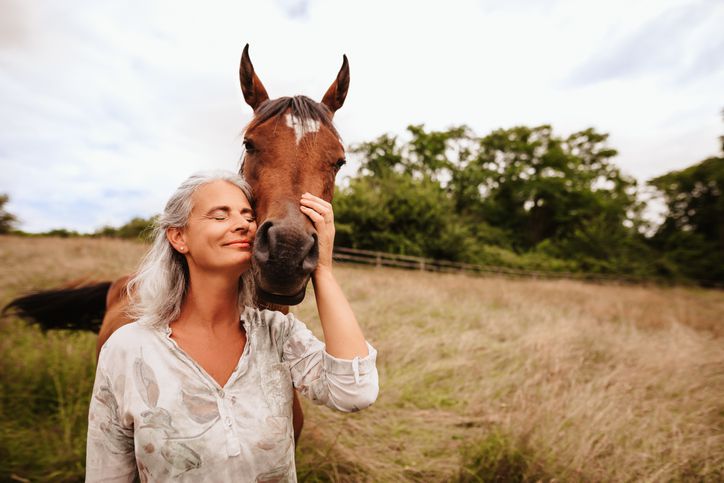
(251, 86)
(337, 92)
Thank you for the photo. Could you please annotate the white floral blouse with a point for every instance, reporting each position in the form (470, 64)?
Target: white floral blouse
(157, 415)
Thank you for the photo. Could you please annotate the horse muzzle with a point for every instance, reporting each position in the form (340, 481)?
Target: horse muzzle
(285, 256)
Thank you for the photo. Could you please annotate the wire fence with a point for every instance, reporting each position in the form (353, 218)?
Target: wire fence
(382, 259)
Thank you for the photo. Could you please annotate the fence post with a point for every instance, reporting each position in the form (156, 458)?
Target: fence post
(422, 265)
(378, 260)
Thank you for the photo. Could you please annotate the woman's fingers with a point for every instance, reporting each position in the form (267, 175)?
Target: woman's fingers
(318, 205)
(317, 199)
(321, 209)
(315, 217)
(321, 214)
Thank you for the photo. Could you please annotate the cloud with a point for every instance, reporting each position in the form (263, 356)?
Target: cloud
(294, 8)
(678, 39)
(15, 23)
(709, 58)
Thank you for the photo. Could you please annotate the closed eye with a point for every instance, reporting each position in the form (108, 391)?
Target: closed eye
(338, 165)
(218, 214)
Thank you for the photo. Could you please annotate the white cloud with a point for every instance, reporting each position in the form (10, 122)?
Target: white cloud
(108, 106)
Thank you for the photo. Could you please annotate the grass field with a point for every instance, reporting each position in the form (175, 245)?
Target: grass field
(481, 379)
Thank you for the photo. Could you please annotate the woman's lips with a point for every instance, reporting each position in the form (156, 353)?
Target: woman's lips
(239, 244)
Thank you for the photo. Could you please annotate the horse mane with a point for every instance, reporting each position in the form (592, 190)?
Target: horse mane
(301, 107)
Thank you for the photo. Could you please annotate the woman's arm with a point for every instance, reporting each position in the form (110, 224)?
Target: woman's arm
(342, 334)
(342, 384)
(343, 374)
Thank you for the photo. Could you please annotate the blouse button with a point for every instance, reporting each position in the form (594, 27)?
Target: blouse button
(221, 393)
(228, 421)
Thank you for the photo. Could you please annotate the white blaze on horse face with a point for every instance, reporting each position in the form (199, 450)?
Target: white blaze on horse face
(301, 126)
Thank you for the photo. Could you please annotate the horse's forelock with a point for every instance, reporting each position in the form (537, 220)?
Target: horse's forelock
(301, 107)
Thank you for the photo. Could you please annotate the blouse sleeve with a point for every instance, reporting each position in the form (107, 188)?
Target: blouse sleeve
(342, 384)
(109, 450)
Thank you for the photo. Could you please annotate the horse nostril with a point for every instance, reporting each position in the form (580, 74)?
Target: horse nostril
(261, 242)
(309, 263)
(272, 239)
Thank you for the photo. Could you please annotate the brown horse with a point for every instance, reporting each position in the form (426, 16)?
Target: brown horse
(291, 147)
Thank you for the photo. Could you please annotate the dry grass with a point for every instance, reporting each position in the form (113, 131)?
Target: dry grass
(481, 378)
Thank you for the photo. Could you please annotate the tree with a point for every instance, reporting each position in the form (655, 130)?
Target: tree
(541, 187)
(7, 220)
(404, 200)
(692, 234)
(515, 188)
(399, 214)
(432, 155)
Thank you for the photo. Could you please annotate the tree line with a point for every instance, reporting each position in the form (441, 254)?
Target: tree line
(521, 197)
(527, 198)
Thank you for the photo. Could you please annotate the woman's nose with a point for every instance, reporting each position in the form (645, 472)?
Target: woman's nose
(242, 225)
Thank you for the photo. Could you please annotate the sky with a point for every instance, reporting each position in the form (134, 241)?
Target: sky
(106, 106)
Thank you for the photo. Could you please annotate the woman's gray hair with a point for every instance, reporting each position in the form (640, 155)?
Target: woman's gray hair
(162, 280)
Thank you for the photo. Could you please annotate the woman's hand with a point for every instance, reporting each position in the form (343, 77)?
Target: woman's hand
(343, 337)
(321, 214)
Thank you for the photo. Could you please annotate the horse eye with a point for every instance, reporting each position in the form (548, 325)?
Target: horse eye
(249, 146)
(340, 162)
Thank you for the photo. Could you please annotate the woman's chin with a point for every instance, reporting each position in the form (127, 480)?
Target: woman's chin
(242, 266)
(233, 266)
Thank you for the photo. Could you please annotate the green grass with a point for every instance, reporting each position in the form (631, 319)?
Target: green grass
(45, 385)
(497, 458)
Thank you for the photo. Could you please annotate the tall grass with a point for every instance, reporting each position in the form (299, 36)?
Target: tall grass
(482, 379)
(46, 379)
(45, 385)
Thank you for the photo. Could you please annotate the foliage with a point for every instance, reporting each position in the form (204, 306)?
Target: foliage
(61, 233)
(525, 191)
(692, 235)
(541, 187)
(46, 384)
(528, 198)
(7, 220)
(398, 214)
(137, 228)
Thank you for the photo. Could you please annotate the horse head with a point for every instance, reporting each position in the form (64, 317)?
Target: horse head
(291, 147)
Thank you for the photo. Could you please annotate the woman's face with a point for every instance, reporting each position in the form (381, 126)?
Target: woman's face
(220, 232)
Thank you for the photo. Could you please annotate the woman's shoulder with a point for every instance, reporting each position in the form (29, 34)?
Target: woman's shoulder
(126, 338)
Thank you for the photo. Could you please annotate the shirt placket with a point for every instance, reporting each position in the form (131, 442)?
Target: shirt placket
(233, 445)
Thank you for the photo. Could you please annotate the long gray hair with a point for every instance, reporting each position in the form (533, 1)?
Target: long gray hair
(162, 280)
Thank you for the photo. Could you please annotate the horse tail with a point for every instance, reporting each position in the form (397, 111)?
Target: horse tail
(74, 308)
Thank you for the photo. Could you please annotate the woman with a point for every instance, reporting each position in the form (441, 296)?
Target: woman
(200, 387)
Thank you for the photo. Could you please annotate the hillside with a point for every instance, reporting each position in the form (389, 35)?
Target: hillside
(481, 378)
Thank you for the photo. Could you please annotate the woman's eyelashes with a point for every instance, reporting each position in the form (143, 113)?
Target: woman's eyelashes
(219, 215)
(222, 216)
